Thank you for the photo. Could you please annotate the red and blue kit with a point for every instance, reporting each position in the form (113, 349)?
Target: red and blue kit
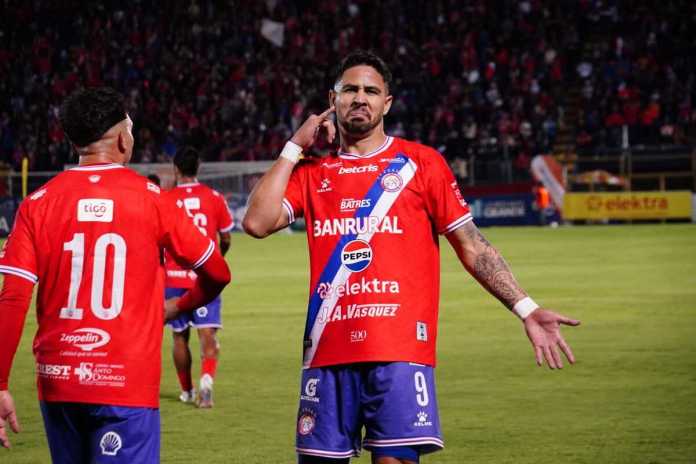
(208, 211)
(92, 237)
(366, 216)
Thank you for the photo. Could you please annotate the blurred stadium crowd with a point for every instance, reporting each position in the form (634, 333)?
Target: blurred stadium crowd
(235, 78)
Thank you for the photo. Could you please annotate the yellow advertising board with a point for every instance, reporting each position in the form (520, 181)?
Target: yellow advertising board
(627, 205)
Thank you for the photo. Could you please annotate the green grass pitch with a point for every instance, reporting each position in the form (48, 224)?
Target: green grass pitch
(631, 398)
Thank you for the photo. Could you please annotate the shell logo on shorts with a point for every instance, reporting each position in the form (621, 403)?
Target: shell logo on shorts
(392, 182)
(356, 255)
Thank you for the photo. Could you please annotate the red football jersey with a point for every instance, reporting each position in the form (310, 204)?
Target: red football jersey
(208, 211)
(92, 238)
(372, 226)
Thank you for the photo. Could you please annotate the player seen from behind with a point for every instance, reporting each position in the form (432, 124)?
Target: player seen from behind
(208, 211)
(92, 238)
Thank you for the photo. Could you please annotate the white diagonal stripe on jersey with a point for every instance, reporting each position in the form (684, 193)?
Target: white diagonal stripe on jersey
(206, 255)
(384, 203)
(19, 273)
(457, 223)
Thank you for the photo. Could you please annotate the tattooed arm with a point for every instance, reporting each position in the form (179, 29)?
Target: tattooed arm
(487, 265)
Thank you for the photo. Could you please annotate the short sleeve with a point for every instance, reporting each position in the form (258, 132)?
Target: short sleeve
(224, 220)
(18, 255)
(182, 240)
(444, 200)
(293, 201)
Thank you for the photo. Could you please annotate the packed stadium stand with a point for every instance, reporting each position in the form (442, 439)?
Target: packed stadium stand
(483, 81)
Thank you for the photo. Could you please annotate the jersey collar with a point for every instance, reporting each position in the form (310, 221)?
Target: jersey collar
(97, 167)
(188, 184)
(387, 143)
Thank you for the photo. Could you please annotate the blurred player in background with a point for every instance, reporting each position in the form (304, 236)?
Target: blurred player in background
(208, 211)
(92, 239)
(374, 211)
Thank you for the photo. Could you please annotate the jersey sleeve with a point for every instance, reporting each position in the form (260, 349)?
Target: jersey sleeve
(224, 220)
(444, 200)
(293, 202)
(18, 255)
(181, 239)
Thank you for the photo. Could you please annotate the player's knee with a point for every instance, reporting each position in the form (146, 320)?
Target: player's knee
(180, 338)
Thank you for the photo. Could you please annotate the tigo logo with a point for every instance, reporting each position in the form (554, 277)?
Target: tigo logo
(356, 255)
(95, 210)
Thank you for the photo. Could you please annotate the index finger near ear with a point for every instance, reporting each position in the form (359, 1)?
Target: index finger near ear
(327, 112)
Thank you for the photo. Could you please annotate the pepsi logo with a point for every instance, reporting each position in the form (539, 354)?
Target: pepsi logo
(356, 255)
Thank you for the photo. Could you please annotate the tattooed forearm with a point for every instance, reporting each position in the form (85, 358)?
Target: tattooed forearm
(491, 270)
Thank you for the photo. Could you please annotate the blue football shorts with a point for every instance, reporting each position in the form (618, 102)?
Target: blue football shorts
(101, 434)
(394, 402)
(205, 316)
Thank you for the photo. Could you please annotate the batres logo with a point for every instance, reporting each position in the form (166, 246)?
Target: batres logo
(358, 169)
(351, 204)
(95, 210)
(86, 338)
(356, 255)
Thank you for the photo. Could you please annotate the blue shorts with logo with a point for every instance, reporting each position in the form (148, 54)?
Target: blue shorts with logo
(96, 433)
(205, 316)
(395, 403)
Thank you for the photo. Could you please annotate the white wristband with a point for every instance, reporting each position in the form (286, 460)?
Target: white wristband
(524, 307)
(291, 152)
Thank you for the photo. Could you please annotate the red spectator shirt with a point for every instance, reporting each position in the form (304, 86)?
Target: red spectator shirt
(92, 238)
(208, 211)
(372, 228)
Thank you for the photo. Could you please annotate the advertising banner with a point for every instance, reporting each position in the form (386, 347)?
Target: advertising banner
(628, 205)
(503, 210)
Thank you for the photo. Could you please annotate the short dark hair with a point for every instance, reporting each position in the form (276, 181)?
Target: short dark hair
(187, 161)
(367, 58)
(88, 114)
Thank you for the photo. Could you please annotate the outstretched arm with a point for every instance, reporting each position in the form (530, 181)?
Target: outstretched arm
(487, 265)
(14, 303)
(265, 213)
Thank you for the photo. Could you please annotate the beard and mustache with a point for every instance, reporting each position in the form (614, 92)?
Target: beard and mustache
(357, 127)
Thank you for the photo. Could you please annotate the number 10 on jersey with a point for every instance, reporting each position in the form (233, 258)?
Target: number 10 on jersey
(76, 247)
